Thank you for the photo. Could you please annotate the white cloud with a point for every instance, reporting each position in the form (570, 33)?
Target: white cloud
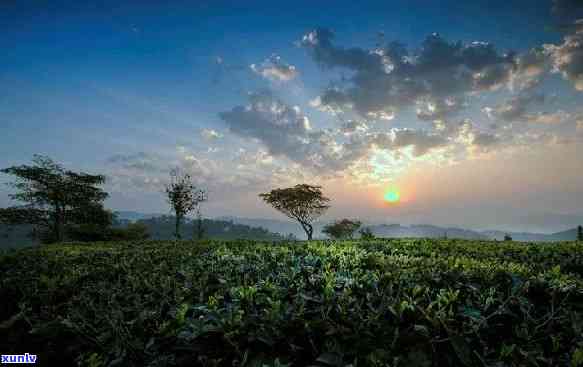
(210, 134)
(275, 69)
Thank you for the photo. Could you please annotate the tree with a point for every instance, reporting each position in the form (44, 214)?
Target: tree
(580, 233)
(343, 228)
(182, 196)
(304, 203)
(201, 196)
(507, 237)
(54, 198)
(366, 234)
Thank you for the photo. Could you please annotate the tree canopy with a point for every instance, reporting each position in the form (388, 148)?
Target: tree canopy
(304, 203)
(343, 228)
(54, 198)
(183, 196)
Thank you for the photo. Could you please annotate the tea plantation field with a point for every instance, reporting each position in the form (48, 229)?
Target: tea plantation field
(379, 303)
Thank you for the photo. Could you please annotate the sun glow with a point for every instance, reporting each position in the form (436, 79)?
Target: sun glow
(392, 196)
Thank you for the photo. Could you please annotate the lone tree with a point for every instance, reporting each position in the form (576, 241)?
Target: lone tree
(54, 198)
(304, 203)
(580, 233)
(201, 196)
(343, 228)
(183, 197)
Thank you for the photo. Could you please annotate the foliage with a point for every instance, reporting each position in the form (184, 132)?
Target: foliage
(507, 237)
(304, 203)
(580, 233)
(343, 228)
(93, 233)
(162, 228)
(400, 302)
(366, 234)
(182, 196)
(54, 198)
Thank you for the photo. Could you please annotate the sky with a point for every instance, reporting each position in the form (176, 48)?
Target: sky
(471, 111)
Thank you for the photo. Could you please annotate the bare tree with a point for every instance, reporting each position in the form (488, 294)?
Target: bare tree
(303, 203)
(182, 196)
(201, 196)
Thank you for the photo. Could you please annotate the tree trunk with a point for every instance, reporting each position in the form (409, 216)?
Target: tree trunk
(308, 229)
(58, 225)
(200, 230)
(177, 229)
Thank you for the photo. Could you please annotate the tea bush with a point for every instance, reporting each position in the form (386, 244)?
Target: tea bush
(406, 302)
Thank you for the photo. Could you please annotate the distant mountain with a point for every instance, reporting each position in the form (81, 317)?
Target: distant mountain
(125, 215)
(425, 231)
(568, 235)
(16, 236)
(272, 225)
(400, 231)
(162, 228)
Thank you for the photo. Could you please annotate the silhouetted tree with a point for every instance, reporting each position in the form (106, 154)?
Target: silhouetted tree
(304, 203)
(54, 198)
(579, 233)
(366, 234)
(182, 196)
(201, 197)
(507, 237)
(343, 228)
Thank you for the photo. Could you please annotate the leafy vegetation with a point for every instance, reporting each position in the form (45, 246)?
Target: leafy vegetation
(342, 229)
(303, 203)
(323, 303)
(54, 199)
(183, 197)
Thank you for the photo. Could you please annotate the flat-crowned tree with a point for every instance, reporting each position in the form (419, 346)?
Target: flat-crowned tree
(54, 198)
(343, 228)
(580, 233)
(304, 203)
(183, 197)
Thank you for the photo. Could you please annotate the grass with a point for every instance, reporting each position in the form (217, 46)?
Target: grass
(406, 302)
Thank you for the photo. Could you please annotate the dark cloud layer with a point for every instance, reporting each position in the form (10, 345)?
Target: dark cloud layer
(389, 78)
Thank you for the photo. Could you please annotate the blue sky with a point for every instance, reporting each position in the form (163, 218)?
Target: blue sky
(132, 88)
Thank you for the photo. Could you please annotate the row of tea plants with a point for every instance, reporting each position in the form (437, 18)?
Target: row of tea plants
(406, 302)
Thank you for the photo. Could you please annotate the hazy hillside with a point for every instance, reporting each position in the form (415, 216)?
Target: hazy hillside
(569, 235)
(162, 228)
(423, 230)
(134, 216)
(16, 236)
(399, 231)
(274, 225)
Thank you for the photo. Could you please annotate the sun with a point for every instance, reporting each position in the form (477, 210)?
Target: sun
(392, 196)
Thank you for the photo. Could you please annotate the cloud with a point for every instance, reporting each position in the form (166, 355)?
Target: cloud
(421, 141)
(140, 161)
(548, 118)
(286, 132)
(210, 134)
(567, 7)
(389, 78)
(529, 69)
(515, 108)
(353, 126)
(567, 57)
(275, 69)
